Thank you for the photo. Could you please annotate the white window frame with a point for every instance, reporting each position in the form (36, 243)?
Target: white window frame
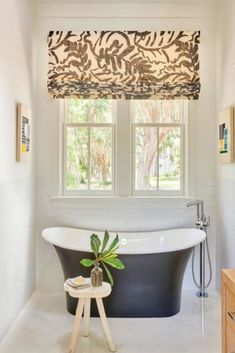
(183, 171)
(123, 166)
(88, 192)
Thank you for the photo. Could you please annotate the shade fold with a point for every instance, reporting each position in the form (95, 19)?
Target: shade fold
(124, 64)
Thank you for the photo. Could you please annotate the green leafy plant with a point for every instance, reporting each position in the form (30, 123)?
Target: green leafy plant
(104, 254)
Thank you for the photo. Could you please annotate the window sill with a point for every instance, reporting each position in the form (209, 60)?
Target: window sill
(135, 202)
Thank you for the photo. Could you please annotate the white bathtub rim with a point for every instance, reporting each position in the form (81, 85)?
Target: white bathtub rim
(49, 235)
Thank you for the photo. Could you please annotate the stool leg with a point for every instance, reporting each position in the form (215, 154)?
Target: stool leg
(105, 324)
(76, 325)
(86, 320)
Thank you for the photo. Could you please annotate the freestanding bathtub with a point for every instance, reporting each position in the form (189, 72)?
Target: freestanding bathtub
(155, 262)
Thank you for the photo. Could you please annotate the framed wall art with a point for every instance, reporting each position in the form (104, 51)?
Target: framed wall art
(23, 136)
(226, 136)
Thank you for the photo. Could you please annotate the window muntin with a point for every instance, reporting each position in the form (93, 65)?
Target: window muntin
(158, 146)
(88, 147)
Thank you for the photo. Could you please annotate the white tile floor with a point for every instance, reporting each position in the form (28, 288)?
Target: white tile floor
(44, 326)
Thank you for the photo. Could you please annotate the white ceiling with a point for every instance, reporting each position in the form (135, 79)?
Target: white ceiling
(123, 1)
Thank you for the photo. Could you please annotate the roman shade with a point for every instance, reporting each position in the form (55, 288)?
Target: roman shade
(124, 64)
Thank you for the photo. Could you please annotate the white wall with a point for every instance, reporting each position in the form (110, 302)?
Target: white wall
(226, 98)
(77, 17)
(17, 259)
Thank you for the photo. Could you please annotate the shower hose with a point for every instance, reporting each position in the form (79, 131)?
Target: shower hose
(209, 262)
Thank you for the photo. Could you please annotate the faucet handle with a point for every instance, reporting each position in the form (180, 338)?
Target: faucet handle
(203, 222)
(206, 221)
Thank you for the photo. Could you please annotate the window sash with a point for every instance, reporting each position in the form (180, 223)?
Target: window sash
(157, 191)
(88, 191)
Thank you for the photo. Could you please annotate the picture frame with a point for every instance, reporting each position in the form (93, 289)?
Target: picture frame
(226, 136)
(23, 133)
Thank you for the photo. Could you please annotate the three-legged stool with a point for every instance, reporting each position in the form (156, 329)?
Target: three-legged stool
(85, 295)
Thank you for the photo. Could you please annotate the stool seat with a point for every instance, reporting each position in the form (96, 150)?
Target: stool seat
(84, 303)
(90, 292)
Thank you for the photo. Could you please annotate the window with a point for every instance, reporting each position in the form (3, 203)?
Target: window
(124, 148)
(158, 146)
(89, 147)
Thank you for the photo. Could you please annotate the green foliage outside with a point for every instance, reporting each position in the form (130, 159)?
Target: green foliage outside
(147, 140)
(89, 149)
(80, 166)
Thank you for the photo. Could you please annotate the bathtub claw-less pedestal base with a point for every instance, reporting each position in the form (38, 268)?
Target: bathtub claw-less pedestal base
(85, 295)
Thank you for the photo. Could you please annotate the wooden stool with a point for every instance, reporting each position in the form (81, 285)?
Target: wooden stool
(85, 295)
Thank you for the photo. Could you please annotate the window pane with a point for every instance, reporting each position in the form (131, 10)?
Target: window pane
(158, 111)
(144, 111)
(100, 111)
(77, 111)
(145, 158)
(101, 158)
(77, 158)
(170, 111)
(169, 158)
(89, 110)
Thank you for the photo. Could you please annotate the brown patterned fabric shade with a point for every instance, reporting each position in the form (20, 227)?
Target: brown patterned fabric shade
(124, 64)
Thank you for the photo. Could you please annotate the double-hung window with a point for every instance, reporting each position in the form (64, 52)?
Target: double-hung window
(155, 147)
(89, 145)
(158, 146)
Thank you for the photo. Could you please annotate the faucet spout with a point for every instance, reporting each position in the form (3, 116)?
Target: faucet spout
(197, 203)
(194, 203)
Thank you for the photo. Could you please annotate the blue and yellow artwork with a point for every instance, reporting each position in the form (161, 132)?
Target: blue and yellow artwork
(223, 138)
(226, 136)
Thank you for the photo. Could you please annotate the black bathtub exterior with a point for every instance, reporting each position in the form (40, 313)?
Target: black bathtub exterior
(149, 286)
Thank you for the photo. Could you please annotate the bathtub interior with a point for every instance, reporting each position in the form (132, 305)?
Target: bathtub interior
(130, 243)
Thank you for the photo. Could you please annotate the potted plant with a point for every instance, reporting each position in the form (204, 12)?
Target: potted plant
(104, 254)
